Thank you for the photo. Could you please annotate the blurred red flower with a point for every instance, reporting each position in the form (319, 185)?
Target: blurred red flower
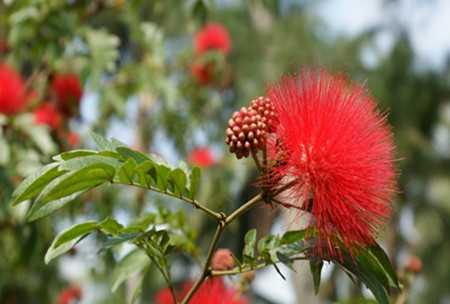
(73, 139)
(67, 90)
(47, 114)
(202, 73)
(212, 291)
(12, 91)
(201, 157)
(338, 150)
(69, 295)
(414, 264)
(212, 36)
(222, 260)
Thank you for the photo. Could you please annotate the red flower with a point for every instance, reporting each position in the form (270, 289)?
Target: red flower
(201, 157)
(213, 291)
(222, 260)
(69, 295)
(47, 114)
(337, 147)
(67, 90)
(202, 73)
(213, 36)
(12, 91)
(73, 139)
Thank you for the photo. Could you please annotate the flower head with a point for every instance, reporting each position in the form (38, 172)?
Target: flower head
(202, 157)
(336, 148)
(212, 291)
(47, 114)
(212, 36)
(67, 90)
(12, 91)
(69, 295)
(222, 259)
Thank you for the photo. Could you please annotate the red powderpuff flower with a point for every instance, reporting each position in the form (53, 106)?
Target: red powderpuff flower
(337, 150)
(202, 73)
(213, 36)
(69, 295)
(12, 91)
(47, 114)
(201, 157)
(67, 90)
(213, 291)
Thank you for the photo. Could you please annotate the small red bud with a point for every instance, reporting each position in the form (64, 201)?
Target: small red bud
(414, 264)
(222, 260)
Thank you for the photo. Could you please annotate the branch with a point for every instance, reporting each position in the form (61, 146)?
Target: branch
(196, 204)
(162, 269)
(239, 270)
(206, 270)
(244, 208)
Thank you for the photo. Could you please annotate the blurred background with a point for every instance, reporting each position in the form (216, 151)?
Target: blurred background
(140, 78)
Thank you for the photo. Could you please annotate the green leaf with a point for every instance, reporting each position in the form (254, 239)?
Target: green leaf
(126, 153)
(120, 239)
(67, 187)
(125, 172)
(285, 260)
(381, 258)
(74, 232)
(179, 180)
(367, 276)
(134, 262)
(374, 286)
(82, 162)
(316, 271)
(250, 240)
(73, 154)
(104, 144)
(293, 236)
(147, 173)
(80, 180)
(40, 211)
(110, 226)
(267, 243)
(68, 238)
(194, 177)
(162, 175)
(33, 184)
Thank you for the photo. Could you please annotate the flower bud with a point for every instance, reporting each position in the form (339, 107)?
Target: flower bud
(222, 260)
(414, 264)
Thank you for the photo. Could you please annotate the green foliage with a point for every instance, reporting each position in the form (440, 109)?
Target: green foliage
(74, 173)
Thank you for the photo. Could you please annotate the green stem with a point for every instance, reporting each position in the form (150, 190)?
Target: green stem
(217, 216)
(206, 270)
(238, 270)
(244, 208)
(163, 270)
